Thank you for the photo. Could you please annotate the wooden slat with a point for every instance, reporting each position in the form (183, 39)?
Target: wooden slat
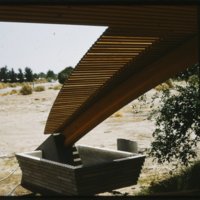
(102, 14)
(95, 61)
(91, 74)
(171, 63)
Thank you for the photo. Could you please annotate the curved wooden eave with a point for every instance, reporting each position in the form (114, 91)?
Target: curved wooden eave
(100, 65)
(136, 84)
(91, 93)
(143, 73)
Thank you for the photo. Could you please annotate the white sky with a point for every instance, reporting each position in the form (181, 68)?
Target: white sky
(44, 46)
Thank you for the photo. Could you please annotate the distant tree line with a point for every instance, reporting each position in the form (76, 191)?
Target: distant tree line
(10, 76)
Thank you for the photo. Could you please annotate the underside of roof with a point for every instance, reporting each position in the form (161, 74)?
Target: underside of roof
(142, 47)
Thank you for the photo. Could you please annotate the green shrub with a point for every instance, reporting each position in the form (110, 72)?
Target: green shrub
(39, 88)
(177, 126)
(185, 75)
(26, 90)
(194, 80)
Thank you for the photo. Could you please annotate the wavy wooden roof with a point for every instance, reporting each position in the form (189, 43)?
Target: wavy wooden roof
(142, 47)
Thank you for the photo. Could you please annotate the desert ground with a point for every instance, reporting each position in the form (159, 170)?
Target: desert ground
(22, 122)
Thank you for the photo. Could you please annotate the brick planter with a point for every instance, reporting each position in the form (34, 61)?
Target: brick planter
(101, 170)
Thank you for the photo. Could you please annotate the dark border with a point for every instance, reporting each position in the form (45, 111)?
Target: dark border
(96, 2)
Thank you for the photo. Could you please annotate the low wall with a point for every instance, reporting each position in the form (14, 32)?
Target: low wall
(94, 155)
(103, 170)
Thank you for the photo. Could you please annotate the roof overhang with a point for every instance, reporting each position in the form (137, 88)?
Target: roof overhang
(143, 46)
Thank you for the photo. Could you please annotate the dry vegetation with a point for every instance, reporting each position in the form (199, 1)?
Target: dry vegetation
(55, 87)
(10, 93)
(117, 114)
(164, 86)
(26, 90)
(39, 88)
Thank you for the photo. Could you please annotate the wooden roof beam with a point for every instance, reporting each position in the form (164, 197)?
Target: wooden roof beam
(148, 77)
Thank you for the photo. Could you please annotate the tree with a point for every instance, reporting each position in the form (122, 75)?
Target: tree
(64, 74)
(35, 76)
(12, 76)
(185, 75)
(42, 75)
(50, 75)
(178, 123)
(28, 74)
(4, 74)
(20, 75)
(1, 74)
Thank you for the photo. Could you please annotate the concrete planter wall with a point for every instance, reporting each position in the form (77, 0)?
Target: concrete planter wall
(101, 170)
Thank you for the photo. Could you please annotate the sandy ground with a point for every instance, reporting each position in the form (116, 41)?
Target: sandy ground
(22, 122)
